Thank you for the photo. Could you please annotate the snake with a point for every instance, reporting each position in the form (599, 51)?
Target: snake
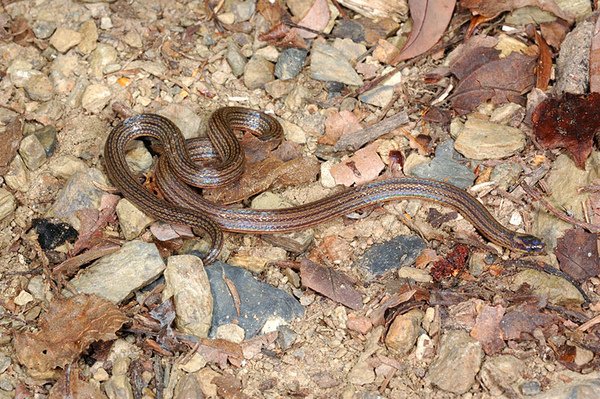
(218, 159)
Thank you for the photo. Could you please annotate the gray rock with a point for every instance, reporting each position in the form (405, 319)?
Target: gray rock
(584, 387)
(290, 63)
(349, 48)
(259, 301)
(139, 158)
(393, 254)
(184, 117)
(506, 174)
(43, 29)
(380, 96)
(47, 137)
(286, 337)
(20, 71)
(66, 166)
(530, 388)
(243, 10)
(103, 55)
(17, 177)
(258, 72)
(95, 98)
(131, 219)
(278, 88)
(457, 362)
(64, 39)
(84, 136)
(32, 152)
(39, 88)
(444, 167)
(235, 59)
(481, 139)
(187, 282)
(118, 275)
(7, 203)
(502, 374)
(329, 64)
(558, 290)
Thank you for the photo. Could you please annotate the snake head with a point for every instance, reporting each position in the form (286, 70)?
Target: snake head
(528, 243)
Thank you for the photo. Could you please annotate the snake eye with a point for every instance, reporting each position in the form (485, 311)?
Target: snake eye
(529, 243)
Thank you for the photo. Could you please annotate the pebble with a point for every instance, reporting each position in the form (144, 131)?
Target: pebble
(289, 63)
(380, 96)
(404, 331)
(187, 283)
(84, 136)
(65, 39)
(231, 333)
(116, 276)
(47, 137)
(502, 373)
(256, 259)
(286, 337)
(392, 254)
(361, 373)
(188, 387)
(139, 158)
(269, 53)
(194, 364)
(259, 301)
(118, 385)
(235, 59)
(102, 56)
(131, 219)
(326, 178)
(456, 348)
(530, 388)
(37, 287)
(39, 88)
(184, 117)
(23, 298)
(243, 10)
(444, 167)
(32, 152)
(578, 387)
(17, 177)
(80, 192)
(414, 274)
(133, 39)
(350, 49)
(20, 71)
(65, 166)
(558, 290)
(583, 356)
(278, 88)
(43, 29)
(89, 37)
(329, 64)
(486, 140)
(258, 72)
(95, 98)
(425, 347)
(5, 362)
(506, 174)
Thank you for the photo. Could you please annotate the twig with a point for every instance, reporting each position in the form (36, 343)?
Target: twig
(361, 137)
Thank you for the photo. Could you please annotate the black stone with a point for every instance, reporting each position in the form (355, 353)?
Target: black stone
(393, 254)
(51, 235)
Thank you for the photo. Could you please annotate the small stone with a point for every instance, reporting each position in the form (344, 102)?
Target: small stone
(235, 59)
(37, 287)
(95, 98)
(361, 374)
(188, 387)
(196, 363)
(20, 71)
(184, 117)
(89, 37)
(227, 18)
(23, 298)
(5, 363)
(558, 290)
(269, 200)
(101, 375)
(230, 332)
(530, 388)
(414, 274)
(39, 88)
(485, 140)
(17, 177)
(133, 39)
(290, 63)
(360, 324)
(444, 167)
(506, 174)
(269, 53)
(32, 152)
(293, 132)
(502, 373)
(65, 166)
(381, 96)
(47, 137)
(258, 72)
(105, 23)
(139, 158)
(404, 331)
(243, 10)
(64, 39)
(326, 178)
(351, 50)
(583, 356)
(103, 55)
(329, 64)
(43, 29)
(392, 254)
(286, 337)
(131, 219)
(278, 88)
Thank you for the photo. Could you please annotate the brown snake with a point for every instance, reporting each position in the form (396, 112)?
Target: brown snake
(219, 160)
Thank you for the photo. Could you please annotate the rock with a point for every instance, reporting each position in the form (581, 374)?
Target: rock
(64, 39)
(259, 301)
(278, 88)
(187, 282)
(84, 136)
(256, 259)
(188, 387)
(39, 88)
(80, 192)
(501, 374)
(258, 72)
(118, 385)
(65, 166)
(184, 117)
(361, 374)
(231, 333)
(380, 96)
(196, 363)
(89, 37)
(558, 290)
(116, 276)
(269, 53)
(506, 174)
(32, 152)
(414, 274)
(243, 10)
(20, 71)
(486, 140)
(235, 59)
(456, 348)
(43, 29)
(583, 356)
(329, 64)
(103, 55)
(286, 337)
(139, 158)
(23, 298)
(350, 49)
(47, 138)
(133, 39)
(95, 98)
(290, 63)
(293, 132)
(404, 331)
(579, 387)
(17, 177)
(131, 219)
(360, 324)
(530, 388)
(393, 254)
(444, 167)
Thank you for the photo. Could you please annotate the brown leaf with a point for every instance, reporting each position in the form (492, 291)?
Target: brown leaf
(500, 81)
(377, 317)
(229, 387)
(316, 19)
(220, 350)
(430, 20)
(364, 166)
(281, 35)
(524, 318)
(472, 55)
(74, 387)
(270, 10)
(66, 330)
(555, 32)
(492, 8)
(337, 125)
(21, 31)
(569, 122)
(577, 253)
(595, 60)
(11, 139)
(93, 221)
(544, 67)
(487, 329)
(331, 283)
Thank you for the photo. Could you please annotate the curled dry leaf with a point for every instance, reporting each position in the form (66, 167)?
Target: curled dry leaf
(430, 20)
(66, 330)
(544, 68)
(333, 284)
(569, 122)
(577, 253)
(524, 319)
(492, 8)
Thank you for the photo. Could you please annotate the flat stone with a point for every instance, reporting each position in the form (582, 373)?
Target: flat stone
(8, 204)
(39, 88)
(258, 72)
(231, 333)
(64, 39)
(89, 37)
(290, 63)
(583, 387)
(184, 117)
(351, 49)
(486, 140)
(502, 373)
(456, 348)
(131, 219)
(444, 167)
(380, 96)
(187, 282)
(65, 166)
(414, 274)
(103, 55)
(32, 152)
(361, 373)
(116, 276)
(558, 290)
(17, 177)
(47, 137)
(259, 302)
(404, 331)
(393, 254)
(84, 136)
(279, 88)
(95, 98)
(235, 59)
(329, 64)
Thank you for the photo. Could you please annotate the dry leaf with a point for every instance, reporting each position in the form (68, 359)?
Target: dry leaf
(473, 54)
(229, 387)
(316, 19)
(487, 329)
(364, 166)
(66, 330)
(555, 32)
(543, 71)
(11, 139)
(272, 11)
(524, 319)
(337, 125)
(333, 284)
(577, 253)
(220, 351)
(569, 122)
(452, 264)
(430, 20)
(93, 222)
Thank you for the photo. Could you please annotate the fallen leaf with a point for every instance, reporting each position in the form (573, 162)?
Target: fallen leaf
(364, 166)
(452, 264)
(316, 19)
(254, 346)
(543, 71)
(11, 139)
(333, 284)
(282, 35)
(272, 11)
(377, 316)
(229, 387)
(66, 330)
(21, 31)
(492, 8)
(166, 231)
(569, 122)
(473, 54)
(337, 125)
(555, 32)
(595, 60)
(577, 253)
(524, 319)
(430, 20)
(487, 329)
(93, 222)
(70, 385)
(220, 351)
(501, 81)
